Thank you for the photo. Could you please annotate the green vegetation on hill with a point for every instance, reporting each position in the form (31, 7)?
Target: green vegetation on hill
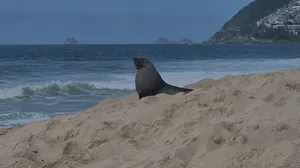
(262, 21)
(245, 20)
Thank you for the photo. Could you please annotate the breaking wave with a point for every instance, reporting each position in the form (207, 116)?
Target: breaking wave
(58, 89)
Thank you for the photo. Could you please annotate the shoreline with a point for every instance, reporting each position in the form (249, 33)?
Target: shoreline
(3, 131)
(238, 120)
(6, 129)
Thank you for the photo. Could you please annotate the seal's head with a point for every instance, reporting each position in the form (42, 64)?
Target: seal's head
(140, 63)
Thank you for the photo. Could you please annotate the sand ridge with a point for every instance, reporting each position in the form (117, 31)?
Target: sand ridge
(232, 122)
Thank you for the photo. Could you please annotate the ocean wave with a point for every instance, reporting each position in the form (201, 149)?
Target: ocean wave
(57, 88)
(15, 118)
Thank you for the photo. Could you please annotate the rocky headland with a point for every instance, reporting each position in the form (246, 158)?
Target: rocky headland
(262, 21)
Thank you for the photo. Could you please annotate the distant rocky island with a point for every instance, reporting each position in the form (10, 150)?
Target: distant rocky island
(166, 41)
(71, 41)
(185, 41)
(162, 41)
(262, 21)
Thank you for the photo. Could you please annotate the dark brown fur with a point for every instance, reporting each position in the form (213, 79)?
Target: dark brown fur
(148, 81)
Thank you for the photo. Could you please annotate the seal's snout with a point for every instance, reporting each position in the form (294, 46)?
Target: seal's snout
(135, 60)
(137, 63)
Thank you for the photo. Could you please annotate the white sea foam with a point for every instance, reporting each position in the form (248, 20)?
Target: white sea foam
(57, 88)
(19, 118)
(187, 72)
(177, 73)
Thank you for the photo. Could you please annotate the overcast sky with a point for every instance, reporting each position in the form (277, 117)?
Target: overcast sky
(112, 21)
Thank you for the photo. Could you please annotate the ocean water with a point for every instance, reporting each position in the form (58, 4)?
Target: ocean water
(38, 82)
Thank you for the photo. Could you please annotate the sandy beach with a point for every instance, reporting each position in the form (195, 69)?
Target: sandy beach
(233, 122)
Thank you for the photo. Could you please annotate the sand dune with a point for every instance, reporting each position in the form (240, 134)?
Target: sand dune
(232, 122)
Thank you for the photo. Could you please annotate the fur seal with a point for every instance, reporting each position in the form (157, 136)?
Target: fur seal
(148, 81)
